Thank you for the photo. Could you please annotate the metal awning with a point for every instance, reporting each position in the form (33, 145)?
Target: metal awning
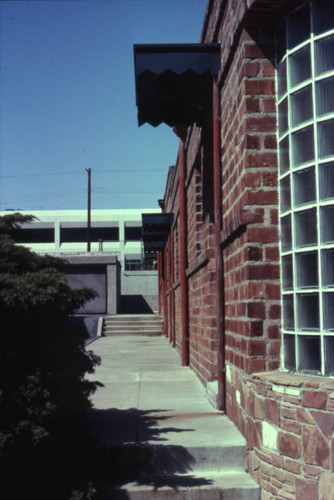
(155, 232)
(174, 82)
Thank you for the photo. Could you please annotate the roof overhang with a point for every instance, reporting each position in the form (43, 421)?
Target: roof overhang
(156, 229)
(174, 82)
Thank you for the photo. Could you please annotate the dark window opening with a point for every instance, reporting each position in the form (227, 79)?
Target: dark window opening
(133, 233)
(34, 235)
(79, 234)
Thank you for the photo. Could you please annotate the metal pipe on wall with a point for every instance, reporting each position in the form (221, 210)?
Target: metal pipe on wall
(221, 376)
(183, 253)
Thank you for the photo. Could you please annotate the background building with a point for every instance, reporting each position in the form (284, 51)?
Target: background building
(114, 234)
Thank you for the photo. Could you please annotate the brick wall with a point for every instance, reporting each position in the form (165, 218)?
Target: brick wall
(288, 419)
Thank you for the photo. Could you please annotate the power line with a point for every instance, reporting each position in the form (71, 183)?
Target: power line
(76, 172)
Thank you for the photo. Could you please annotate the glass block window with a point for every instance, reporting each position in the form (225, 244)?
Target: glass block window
(305, 95)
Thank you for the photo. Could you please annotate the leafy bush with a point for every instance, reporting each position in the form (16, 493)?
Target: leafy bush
(43, 362)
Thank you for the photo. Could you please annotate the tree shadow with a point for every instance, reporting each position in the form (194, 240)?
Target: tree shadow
(131, 447)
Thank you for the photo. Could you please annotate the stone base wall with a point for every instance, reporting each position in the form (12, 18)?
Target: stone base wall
(288, 421)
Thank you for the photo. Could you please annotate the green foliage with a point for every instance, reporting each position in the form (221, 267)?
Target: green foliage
(43, 364)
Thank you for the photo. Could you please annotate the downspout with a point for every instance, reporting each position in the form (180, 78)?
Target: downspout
(165, 293)
(172, 288)
(159, 281)
(218, 252)
(181, 132)
(169, 290)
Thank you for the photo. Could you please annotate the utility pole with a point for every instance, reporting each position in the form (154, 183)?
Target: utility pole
(88, 170)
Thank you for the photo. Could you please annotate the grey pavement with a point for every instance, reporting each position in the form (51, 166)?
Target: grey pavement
(155, 415)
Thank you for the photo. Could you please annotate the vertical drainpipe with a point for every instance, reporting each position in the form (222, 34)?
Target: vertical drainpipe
(165, 294)
(169, 290)
(183, 251)
(159, 281)
(218, 251)
(172, 289)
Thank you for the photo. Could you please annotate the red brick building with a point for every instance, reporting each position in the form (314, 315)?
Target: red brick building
(247, 273)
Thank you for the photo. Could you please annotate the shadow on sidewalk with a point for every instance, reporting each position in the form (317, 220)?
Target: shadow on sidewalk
(130, 449)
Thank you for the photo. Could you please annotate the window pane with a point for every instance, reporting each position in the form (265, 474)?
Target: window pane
(324, 55)
(288, 313)
(298, 27)
(284, 160)
(287, 272)
(329, 355)
(33, 235)
(308, 311)
(327, 224)
(302, 146)
(285, 194)
(323, 16)
(301, 106)
(286, 240)
(133, 233)
(326, 181)
(283, 117)
(289, 352)
(300, 66)
(328, 306)
(327, 268)
(325, 96)
(326, 138)
(281, 79)
(306, 228)
(309, 353)
(307, 270)
(304, 186)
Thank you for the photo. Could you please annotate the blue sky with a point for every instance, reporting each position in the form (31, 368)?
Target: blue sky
(67, 95)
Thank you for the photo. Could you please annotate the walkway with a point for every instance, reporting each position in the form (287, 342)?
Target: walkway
(165, 439)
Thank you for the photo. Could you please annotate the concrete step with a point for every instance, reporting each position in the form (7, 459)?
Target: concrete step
(148, 324)
(195, 486)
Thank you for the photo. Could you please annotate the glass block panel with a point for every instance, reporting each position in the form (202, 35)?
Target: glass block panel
(328, 311)
(326, 138)
(307, 270)
(281, 79)
(283, 117)
(323, 16)
(298, 27)
(306, 227)
(286, 234)
(285, 194)
(302, 146)
(289, 352)
(300, 66)
(308, 311)
(284, 159)
(301, 106)
(329, 355)
(327, 224)
(326, 181)
(324, 90)
(327, 268)
(309, 353)
(287, 272)
(324, 55)
(304, 186)
(288, 313)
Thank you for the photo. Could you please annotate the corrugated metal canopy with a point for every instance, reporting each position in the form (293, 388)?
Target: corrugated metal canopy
(174, 82)
(155, 232)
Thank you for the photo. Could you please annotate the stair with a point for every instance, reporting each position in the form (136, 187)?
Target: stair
(132, 324)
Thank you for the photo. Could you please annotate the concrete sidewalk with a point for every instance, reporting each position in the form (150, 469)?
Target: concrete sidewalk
(170, 441)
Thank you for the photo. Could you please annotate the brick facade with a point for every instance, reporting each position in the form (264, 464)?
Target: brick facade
(287, 419)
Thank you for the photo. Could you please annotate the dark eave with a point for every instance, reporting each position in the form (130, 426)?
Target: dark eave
(173, 82)
(155, 232)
